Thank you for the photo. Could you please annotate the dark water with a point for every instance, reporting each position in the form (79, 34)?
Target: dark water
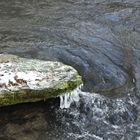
(89, 117)
(99, 38)
(89, 35)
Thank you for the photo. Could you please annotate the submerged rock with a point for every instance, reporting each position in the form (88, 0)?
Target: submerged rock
(27, 80)
(100, 39)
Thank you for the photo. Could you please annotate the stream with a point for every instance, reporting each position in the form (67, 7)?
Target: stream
(101, 40)
(74, 116)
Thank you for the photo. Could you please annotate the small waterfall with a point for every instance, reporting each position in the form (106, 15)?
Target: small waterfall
(68, 98)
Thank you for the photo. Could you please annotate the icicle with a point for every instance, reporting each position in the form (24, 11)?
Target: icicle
(65, 100)
(68, 98)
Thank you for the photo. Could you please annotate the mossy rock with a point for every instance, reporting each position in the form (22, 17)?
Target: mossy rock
(33, 80)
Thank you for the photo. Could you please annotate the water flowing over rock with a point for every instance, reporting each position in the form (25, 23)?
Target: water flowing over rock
(67, 99)
(86, 116)
(24, 80)
(97, 117)
(100, 39)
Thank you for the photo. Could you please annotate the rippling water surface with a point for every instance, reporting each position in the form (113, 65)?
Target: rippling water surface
(74, 116)
(87, 34)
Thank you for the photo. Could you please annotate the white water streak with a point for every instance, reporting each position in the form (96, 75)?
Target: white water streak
(68, 98)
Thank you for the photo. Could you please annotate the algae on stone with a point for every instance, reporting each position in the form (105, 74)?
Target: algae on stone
(30, 80)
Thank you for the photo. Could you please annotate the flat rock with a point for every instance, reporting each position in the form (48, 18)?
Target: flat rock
(24, 80)
(99, 38)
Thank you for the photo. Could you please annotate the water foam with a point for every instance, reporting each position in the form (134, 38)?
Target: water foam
(68, 98)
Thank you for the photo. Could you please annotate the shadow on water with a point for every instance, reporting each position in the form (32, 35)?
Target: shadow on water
(91, 117)
(99, 38)
(27, 121)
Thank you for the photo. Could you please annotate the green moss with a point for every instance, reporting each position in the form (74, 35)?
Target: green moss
(29, 95)
(119, 5)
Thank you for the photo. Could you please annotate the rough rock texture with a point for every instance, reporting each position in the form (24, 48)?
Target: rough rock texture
(26, 80)
(99, 38)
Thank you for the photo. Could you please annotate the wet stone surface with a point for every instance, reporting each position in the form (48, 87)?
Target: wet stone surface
(24, 80)
(91, 117)
(101, 40)
(98, 38)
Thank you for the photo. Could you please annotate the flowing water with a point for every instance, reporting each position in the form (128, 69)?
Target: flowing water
(89, 35)
(74, 116)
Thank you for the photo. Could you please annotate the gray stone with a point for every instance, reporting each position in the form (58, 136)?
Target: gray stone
(24, 80)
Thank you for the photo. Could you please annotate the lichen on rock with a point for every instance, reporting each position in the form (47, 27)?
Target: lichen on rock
(30, 80)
